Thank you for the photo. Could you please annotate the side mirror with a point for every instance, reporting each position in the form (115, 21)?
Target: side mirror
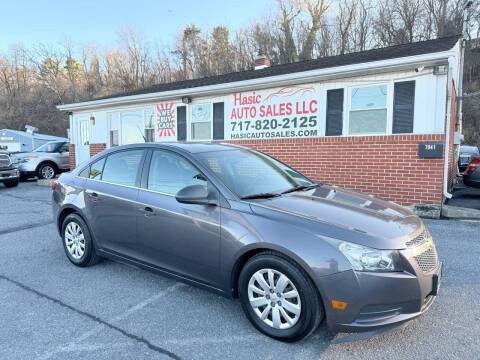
(195, 194)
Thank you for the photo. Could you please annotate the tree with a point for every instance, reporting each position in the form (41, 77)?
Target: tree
(289, 10)
(316, 9)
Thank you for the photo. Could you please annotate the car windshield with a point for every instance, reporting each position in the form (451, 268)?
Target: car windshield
(48, 147)
(249, 173)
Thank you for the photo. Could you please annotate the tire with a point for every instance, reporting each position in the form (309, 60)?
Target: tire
(47, 171)
(307, 302)
(80, 258)
(10, 184)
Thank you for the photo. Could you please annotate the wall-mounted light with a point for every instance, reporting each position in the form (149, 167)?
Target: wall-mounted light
(92, 120)
(186, 100)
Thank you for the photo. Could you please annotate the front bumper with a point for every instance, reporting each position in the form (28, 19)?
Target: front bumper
(377, 300)
(28, 167)
(9, 175)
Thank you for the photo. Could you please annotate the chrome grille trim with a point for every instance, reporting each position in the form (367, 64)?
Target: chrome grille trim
(4, 160)
(428, 259)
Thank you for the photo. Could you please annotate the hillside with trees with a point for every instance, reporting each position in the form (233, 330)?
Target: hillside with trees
(34, 80)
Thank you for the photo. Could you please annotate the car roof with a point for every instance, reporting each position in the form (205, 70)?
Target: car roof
(469, 148)
(199, 147)
(189, 147)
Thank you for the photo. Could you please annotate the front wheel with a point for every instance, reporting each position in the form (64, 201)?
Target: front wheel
(279, 298)
(47, 171)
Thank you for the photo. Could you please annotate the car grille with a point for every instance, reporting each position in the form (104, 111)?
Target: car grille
(427, 259)
(4, 160)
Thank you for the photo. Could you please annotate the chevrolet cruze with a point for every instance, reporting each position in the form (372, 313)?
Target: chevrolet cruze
(243, 224)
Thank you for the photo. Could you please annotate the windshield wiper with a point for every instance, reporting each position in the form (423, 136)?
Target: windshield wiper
(300, 187)
(260, 196)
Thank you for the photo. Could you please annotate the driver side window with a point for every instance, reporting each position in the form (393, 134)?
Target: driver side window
(64, 148)
(170, 172)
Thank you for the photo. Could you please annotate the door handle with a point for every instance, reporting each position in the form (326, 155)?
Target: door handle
(147, 210)
(93, 196)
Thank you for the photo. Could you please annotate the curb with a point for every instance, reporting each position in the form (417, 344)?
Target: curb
(456, 212)
(43, 182)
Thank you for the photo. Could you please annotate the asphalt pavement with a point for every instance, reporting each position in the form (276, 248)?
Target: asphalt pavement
(50, 309)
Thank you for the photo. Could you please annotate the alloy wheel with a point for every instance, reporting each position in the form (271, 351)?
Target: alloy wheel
(48, 172)
(274, 298)
(74, 240)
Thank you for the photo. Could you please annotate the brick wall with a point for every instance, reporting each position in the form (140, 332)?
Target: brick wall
(387, 166)
(96, 148)
(71, 153)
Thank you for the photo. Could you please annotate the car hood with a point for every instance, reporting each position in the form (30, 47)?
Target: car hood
(389, 224)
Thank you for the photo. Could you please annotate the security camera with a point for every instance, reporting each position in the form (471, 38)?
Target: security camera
(419, 69)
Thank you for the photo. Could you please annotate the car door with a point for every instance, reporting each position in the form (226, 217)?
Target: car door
(63, 157)
(181, 238)
(111, 192)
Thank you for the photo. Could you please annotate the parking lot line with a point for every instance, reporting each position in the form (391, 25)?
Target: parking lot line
(25, 227)
(99, 320)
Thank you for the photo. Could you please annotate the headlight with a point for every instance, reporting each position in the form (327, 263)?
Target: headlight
(364, 258)
(14, 160)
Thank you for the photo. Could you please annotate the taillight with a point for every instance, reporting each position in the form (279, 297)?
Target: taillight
(473, 165)
(54, 185)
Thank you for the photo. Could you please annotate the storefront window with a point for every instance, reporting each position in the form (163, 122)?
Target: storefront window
(368, 110)
(84, 138)
(114, 124)
(201, 124)
(132, 127)
(149, 125)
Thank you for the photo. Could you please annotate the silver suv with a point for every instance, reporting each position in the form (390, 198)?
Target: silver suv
(46, 161)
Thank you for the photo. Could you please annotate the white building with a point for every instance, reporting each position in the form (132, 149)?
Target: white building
(380, 120)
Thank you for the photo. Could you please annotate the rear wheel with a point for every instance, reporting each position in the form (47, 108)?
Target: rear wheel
(279, 298)
(47, 171)
(77, 242)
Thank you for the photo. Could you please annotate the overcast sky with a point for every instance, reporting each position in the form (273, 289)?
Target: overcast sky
(86, 21)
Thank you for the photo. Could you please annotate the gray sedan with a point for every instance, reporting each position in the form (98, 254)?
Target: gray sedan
(243, 224)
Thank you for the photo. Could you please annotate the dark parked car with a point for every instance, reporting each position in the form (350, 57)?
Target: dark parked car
(471, 176)
(465, 153)
(9, 174)
(242, 224)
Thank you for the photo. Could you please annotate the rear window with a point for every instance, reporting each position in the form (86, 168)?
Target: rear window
(472, 150)
(122, 168)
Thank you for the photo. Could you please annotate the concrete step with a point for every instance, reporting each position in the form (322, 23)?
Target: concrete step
(457, 212)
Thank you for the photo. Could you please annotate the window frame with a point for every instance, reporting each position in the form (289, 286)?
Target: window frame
(388, 107)
(140, 169)
(190, 121)
(145, 110)
(84, 131)
(148, 163)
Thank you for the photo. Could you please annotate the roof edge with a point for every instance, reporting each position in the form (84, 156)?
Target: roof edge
(393, 64)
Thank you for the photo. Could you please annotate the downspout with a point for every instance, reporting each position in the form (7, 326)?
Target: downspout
(446, 148)
(463, 45)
